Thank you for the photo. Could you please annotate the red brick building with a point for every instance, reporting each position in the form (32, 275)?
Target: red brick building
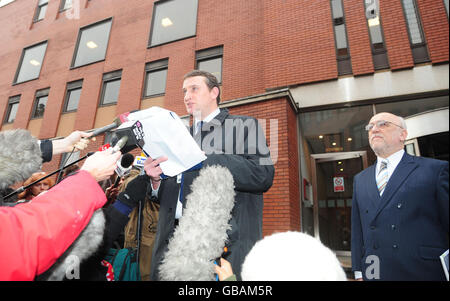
(314, 71)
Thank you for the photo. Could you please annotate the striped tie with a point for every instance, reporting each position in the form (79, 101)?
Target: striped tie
(382, 177)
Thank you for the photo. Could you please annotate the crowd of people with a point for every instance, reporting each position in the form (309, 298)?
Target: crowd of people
(399, 210)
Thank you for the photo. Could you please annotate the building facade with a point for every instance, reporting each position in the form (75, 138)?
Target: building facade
(312, 71)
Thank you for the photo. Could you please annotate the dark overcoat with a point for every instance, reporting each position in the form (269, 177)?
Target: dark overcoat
(237, 143)
(400, 235)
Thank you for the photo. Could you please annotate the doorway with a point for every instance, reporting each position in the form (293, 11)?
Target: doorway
(332, 183)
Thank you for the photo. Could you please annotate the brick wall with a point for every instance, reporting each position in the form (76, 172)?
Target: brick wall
(358, 37)
(435, 28)
(282, 201)
(266, 44)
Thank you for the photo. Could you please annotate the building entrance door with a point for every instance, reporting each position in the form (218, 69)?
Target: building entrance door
(332, 181)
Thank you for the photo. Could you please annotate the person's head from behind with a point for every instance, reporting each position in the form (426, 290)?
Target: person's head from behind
(201, 93)
(37, 188)
(387, 134)
(291, 256)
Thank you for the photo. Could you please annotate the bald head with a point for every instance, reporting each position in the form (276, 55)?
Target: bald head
(387, 135)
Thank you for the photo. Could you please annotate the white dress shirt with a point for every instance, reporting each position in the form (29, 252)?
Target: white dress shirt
(392, 160)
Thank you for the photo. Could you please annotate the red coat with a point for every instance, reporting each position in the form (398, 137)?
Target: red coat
(34, 235)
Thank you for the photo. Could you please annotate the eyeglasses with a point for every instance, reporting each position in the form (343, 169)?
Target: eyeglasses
(381, 124)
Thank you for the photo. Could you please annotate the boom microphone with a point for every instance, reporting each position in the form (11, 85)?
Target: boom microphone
(202, 230)
(20, 156)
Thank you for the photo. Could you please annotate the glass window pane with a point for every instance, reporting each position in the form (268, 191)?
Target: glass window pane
(72, 99)
(341, 39)
(41, 102)
(173, 20)
(67, 4)
(446, 6)
(31, 63)
(336, 6)
(12, 112)
(111, 94)
(156, 82)
(4, 2)
(42, 10)
(411, 107)
(375, 33)
(413, 22)
(213, 66)
(93, 44)
(337, 130)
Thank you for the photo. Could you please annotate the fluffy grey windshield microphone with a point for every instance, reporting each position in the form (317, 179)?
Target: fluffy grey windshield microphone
(202, 231)
(20, 156)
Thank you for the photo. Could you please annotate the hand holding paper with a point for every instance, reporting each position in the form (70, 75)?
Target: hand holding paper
(166, 135)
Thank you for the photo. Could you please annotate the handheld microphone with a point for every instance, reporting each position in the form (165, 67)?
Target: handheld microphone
(135, 133)
(120, 144)
(116, 123)
(124, 167)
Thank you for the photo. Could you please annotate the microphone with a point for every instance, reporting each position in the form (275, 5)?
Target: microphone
(135, 133)
(194, 246)
(124, 167)
(116, 123)
(120, 144)
(20, 156)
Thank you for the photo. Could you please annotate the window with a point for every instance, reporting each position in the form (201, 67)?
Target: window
(340, 35)
(446, 6)
(155, 78)
(173, 20)
(416, 36)
(92, 44)
(4, 2)
(111, 87)
(379, 53)
(11, 111)
(41, 10)
(210, 60)
(414, 106)
(65, 4)
(30, 63)
(73, 94)
(40, 102)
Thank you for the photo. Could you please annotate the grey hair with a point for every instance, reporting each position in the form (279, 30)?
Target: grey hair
(402, 122)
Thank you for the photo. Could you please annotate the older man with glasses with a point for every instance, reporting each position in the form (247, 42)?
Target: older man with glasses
(400, 209)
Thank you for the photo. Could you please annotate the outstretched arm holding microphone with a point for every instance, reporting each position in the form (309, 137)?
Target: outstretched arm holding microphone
(34, 235)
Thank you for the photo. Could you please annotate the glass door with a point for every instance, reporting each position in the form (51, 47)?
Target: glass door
(332, 182)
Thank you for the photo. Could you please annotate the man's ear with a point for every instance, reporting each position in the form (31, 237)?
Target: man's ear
(403, 135)
(214, 92)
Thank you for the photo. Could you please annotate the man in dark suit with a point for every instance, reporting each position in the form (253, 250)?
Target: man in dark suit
(235, 142)
(400, 209)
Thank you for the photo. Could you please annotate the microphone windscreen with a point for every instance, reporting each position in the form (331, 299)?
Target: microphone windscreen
(291, 256)
(124, 167)
(202, 231)
(20, 156)
(127, 160)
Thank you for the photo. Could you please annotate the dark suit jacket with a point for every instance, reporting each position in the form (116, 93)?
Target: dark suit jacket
(238, 143)
(407, 227)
